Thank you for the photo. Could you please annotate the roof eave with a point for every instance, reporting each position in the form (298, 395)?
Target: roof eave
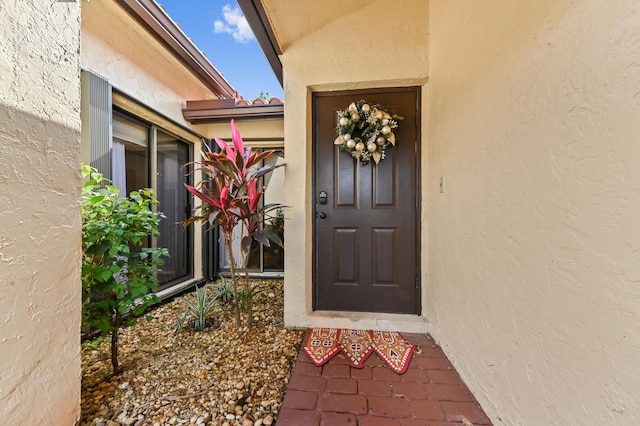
(238, 113)
(257, 18)
(156, 21)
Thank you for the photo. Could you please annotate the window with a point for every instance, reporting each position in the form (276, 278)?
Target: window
(172, 153)
(143, 156)
(137, 147)
(268, 260)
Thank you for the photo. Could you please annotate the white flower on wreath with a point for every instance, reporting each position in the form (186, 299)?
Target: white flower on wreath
(365, 132)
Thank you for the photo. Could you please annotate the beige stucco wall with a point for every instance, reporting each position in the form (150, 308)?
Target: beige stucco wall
(533, 260)
(40, 230)
(249, 129)
(118, 49)
(339, 56)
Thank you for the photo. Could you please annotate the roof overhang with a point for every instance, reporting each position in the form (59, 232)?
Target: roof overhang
(257, 18)
(223, 110)
(277, 24)
(156, 21)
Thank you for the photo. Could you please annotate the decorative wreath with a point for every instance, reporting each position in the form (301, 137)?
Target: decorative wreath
(365, 131)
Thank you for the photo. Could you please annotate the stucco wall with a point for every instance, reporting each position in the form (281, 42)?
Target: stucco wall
(250, 129)
(339, 56)
(40, 230)
(116, 48)
(533, 260)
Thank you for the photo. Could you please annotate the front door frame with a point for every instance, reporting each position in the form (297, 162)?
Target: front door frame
(359, 94)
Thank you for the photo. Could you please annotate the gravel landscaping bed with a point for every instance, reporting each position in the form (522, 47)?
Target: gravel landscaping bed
(220, 376)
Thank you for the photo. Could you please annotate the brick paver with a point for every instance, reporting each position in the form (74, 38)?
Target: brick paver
(449, 392)
(362, 373)
(471, 411)
(375, 388)
(437, 363)
(409, 390)
(420, 422)
(417, 374)
(429, 393)
(300, 400)
(342, 385)
(396, 408)
(356, 404)
(336, 370)
(449, 377)
(308, 383)
(307, 369)
(377, 421)
(293, 417)
(334, 419)
(427, 410)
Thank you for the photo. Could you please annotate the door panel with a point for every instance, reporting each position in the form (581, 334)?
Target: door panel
(346, 181)
(174, 203)
(346, 249)
(383, 249)
(366, 234)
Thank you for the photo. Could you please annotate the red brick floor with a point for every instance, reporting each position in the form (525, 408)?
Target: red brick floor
(430, 393)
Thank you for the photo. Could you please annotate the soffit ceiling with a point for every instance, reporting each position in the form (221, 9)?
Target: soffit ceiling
(292, 20)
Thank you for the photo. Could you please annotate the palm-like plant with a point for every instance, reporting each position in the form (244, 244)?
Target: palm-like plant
(230, 197)
(198, 307)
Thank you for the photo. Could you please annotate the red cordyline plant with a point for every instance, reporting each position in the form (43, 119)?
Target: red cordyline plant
(231, 197)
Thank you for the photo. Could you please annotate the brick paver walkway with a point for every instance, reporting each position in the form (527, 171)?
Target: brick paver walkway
(430, 393)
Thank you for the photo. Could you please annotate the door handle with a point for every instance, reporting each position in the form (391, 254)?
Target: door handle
(322, 215)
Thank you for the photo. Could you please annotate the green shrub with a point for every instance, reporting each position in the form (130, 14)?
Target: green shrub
(118, 269)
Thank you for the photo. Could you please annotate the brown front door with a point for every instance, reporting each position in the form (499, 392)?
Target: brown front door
(366, 230)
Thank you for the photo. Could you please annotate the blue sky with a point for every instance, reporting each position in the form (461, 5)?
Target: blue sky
(218, 28)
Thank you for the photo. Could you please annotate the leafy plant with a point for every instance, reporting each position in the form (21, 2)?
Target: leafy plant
(95, 343)
(265, 96)
(198, 307)
(230, 198)
(247, 297)
(118, 269)
(274, 256)
(180, 321)
(223, 290)
(275, 224)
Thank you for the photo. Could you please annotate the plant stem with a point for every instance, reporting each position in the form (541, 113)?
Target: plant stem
(234, 277)
(248, 291)
(114, 343)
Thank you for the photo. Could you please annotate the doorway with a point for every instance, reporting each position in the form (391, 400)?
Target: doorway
(366, 227)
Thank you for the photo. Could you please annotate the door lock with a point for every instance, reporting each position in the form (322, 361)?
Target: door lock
(322, 215)
(322, 197)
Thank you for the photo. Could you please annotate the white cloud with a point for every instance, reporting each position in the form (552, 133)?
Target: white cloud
(235, 24)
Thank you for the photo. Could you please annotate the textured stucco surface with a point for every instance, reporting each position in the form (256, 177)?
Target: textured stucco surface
(530, 262)
(293, 20)
(341, 55)
(116, 48)
(533, 260)
(251, 129)
(40, 230)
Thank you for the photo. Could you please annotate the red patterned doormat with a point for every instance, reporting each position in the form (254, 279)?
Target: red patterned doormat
(322, 344)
